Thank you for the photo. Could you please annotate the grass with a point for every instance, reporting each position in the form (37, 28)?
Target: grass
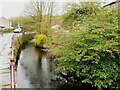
(6, 84)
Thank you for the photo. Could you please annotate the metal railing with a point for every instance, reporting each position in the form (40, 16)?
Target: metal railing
(12, 65)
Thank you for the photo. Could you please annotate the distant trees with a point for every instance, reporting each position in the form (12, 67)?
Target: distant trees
(41, 13)
(38, 16)
(24, 21)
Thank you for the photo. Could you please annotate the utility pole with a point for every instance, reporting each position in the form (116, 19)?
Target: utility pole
(9, 25)
(18, 24)
(111, 3)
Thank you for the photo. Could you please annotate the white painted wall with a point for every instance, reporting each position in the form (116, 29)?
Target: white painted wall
(5, 22)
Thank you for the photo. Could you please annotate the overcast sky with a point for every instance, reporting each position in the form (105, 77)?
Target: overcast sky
(11, 8)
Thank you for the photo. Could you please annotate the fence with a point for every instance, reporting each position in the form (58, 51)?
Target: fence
(12, 65)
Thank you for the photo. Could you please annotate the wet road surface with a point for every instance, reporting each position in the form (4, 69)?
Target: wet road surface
(5, 42)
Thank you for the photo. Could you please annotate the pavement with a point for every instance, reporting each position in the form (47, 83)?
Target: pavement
(5, 43)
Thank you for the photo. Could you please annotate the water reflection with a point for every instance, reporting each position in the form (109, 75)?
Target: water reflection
(34, 69)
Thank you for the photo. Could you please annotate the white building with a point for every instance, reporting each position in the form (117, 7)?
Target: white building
(5, 23)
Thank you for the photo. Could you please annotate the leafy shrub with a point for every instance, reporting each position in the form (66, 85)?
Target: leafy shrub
(77, 13)
(92, 50)
(40, 40)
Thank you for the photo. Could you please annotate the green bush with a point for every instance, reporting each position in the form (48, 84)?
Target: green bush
(92, 50)
(40, 40)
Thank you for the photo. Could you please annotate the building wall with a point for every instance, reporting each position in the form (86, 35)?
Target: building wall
(5, 23)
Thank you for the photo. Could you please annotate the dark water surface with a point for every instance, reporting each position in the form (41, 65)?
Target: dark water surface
(34, 70)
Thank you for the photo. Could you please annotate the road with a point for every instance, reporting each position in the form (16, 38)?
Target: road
(5, 43)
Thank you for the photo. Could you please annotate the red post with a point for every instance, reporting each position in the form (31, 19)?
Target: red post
(12, 66)
(12, 75)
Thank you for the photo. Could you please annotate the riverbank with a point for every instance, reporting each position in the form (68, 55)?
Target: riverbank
(19, 42)
(36, 70)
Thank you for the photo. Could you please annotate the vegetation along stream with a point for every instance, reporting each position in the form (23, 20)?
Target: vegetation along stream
(35, 70)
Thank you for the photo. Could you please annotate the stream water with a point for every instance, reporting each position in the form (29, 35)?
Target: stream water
(35, 70)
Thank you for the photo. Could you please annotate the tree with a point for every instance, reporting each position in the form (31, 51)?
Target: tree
(24, 21)
(41, 13)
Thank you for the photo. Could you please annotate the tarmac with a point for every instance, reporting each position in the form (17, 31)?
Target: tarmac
(5, 44)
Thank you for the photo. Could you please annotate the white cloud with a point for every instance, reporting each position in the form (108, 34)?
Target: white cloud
(14, 0)
(13, 8)
(8, 9)
(0, 9)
